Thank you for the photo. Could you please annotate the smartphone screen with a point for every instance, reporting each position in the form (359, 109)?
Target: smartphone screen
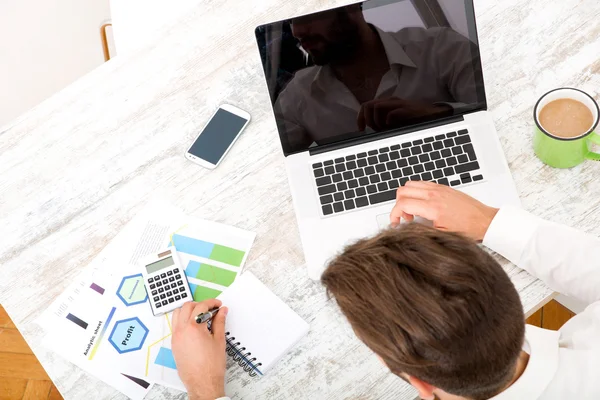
(218, 135)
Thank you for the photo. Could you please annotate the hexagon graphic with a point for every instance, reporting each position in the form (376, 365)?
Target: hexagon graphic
(132, 290)
(128, 335)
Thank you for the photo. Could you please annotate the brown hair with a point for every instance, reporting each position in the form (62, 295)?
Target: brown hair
(434, 305)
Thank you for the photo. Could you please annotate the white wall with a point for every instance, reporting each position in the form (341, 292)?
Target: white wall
(44, 46)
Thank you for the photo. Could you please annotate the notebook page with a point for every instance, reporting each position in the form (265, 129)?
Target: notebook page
(260, 321)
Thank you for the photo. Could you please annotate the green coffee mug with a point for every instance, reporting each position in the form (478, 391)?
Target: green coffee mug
(560, 152)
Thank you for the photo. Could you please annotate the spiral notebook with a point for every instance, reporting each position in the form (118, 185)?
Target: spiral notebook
(260, 328)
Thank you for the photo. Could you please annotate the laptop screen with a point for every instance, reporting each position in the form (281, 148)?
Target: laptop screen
(370, 67)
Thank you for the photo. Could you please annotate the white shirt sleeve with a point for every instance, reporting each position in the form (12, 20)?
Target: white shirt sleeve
(223, 398)
(288, 115)
(566, 259)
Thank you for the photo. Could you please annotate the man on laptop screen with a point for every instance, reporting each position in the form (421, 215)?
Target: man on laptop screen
(360, 78)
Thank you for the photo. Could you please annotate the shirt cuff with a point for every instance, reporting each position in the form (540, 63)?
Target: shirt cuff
(510, 231)
(223, 398)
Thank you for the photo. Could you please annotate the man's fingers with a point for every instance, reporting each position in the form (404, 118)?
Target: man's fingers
(407, 217)
(413, 192)
(397, 115)
(218, 325)
(379, 115)
(412, 206)
(190, 310)
(423, 184)
(175, 317)
(185, 312)
(204, 307)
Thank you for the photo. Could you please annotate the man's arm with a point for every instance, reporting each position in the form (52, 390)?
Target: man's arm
(455, 65)
(199, 352)
(560, 256)
(566, 259)
(288, 116)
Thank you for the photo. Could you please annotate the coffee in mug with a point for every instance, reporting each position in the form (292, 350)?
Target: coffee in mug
(565, 121)
(566, 118)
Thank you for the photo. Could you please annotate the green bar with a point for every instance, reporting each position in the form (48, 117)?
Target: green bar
(227, 255)
(203, 293)
(220, 276)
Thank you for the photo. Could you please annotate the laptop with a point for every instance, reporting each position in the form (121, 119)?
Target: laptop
(372, 95)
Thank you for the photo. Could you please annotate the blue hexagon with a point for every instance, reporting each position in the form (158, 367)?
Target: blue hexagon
(132, 291)
(128, 335)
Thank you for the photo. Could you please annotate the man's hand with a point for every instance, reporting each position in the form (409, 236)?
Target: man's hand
(449, 209)
(382, 114)
(199, 353)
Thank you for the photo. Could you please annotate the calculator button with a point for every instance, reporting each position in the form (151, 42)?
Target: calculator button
(152, 286)
(177, 276)
(164, 303)
(162, 296)
(160, 290)
(154, 292)
(169, 273)
(168, 293)
(167, 287)
(156, 298)
(183, 295)
(165, 281)
(171, 279)
(150, 280)
(176, 270)
(175, 291)
(163, 275)
(157, 305)
(171, 300)
(178, 297)
(180, 283)
(158, 284)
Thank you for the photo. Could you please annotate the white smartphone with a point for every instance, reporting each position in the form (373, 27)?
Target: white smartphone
(218, 136)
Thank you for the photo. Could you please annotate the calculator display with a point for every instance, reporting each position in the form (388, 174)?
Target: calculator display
(157, 266)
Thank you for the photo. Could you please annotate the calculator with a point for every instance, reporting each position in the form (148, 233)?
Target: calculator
(165, 281)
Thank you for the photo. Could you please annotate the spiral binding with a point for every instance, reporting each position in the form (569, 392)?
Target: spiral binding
(236, 352)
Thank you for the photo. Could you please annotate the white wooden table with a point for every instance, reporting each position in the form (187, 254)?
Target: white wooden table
(77, 168)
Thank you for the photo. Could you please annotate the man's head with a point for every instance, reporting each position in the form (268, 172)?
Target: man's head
(330, 36)
(432, 305)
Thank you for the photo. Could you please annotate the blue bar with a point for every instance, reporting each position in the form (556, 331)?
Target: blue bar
(165, 358)
(192, 246)
(192, 288)
(192, 269)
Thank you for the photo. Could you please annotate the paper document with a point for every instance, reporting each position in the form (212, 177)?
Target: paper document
(103, 322)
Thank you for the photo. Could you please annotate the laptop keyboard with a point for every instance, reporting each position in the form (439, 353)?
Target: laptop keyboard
(372, 178)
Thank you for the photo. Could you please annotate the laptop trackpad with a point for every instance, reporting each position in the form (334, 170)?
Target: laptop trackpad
(383, 221)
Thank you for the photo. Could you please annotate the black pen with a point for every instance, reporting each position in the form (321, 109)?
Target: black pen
(206, 316)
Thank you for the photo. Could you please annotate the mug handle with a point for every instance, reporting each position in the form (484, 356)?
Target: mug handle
(591, 155)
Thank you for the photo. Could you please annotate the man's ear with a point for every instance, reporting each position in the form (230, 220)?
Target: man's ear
(425, 389)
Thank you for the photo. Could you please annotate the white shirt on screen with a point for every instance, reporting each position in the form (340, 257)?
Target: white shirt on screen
(431, 66)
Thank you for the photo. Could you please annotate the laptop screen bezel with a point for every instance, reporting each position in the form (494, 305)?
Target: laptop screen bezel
(340, 141)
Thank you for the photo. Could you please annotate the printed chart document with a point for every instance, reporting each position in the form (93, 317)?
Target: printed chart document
(103, 322)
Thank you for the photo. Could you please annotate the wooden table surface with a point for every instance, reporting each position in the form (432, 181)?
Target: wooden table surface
(78, 167)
